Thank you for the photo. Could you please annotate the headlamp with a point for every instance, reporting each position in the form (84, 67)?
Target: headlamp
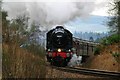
(59, 50)
(69, 50)
(48, 49)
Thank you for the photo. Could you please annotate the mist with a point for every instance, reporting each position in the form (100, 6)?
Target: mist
(48, 14)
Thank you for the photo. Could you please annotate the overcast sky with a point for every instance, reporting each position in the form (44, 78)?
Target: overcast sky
(75, 16)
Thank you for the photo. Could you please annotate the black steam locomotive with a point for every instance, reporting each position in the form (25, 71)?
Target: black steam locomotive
(59, 46)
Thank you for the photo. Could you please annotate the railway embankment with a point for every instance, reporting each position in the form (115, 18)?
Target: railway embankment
(108, 59)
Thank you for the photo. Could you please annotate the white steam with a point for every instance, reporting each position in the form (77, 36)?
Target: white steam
(75, 61)
(49, 13)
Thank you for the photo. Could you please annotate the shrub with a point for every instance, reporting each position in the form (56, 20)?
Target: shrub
(97, 51)
(115, 38)
(115, 54)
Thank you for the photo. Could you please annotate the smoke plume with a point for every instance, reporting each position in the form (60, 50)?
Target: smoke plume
(48, 13)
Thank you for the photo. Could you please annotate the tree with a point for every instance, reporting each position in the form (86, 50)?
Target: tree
(91, 39)
(114, 22)
(5, 26)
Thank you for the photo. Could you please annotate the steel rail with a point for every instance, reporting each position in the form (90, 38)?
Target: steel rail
(94, 72)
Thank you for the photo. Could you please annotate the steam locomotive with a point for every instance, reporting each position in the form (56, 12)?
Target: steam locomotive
(59, 46)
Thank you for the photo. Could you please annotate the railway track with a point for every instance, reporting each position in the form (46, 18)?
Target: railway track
(89, 72)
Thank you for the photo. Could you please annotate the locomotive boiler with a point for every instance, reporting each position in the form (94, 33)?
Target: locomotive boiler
(59, 46)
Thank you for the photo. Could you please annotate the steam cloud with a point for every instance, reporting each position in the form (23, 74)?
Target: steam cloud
(75, 61)
(48, 13)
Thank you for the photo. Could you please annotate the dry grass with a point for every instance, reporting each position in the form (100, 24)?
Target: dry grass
(18, 63)
(105, 61)
(0, 60)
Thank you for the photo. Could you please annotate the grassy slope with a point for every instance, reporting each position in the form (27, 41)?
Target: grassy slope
(18, 63)
(105, 61)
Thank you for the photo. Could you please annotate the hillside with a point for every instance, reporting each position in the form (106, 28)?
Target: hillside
(19, 63)
(107, 60)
